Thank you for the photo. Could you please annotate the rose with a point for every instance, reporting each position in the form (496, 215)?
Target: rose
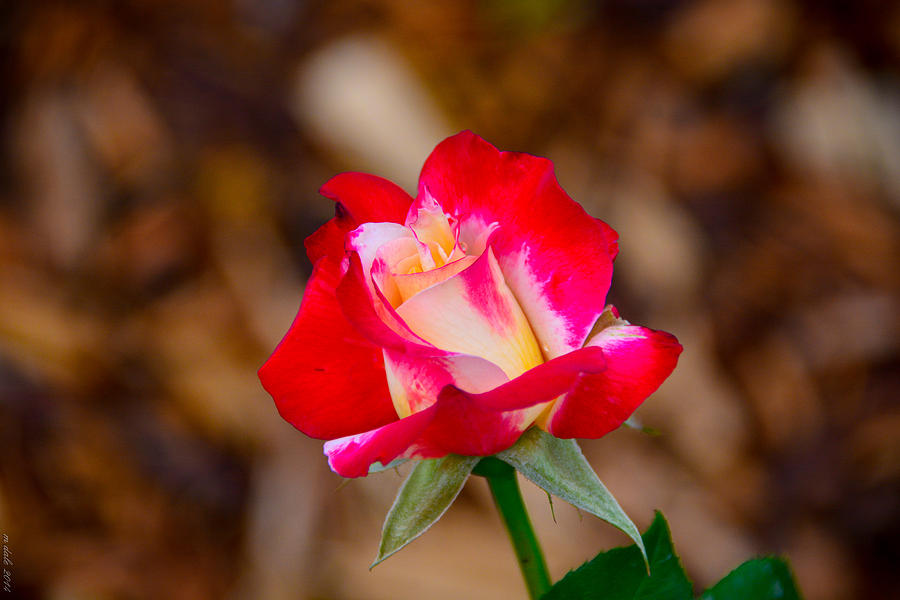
(453, 322)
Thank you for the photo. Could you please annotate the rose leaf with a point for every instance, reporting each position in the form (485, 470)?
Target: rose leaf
(620, 574)
(767, 578)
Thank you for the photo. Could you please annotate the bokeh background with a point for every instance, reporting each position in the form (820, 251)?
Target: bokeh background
(160, 167)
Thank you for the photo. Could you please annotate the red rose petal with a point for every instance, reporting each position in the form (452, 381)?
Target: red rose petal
(556, 258)
(327, 380)
(368, 198)
(638, 360)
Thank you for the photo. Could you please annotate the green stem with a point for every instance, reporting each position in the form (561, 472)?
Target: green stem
(505, 488)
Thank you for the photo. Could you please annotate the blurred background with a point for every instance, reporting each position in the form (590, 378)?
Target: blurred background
(160, 167)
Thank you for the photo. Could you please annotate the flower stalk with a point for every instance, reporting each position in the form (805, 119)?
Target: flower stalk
(504, 487)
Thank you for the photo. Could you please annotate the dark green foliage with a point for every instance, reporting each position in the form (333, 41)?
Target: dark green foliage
(620, 574)
(758, 579)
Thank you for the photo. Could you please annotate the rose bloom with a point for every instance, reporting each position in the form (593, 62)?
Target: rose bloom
(453, 322)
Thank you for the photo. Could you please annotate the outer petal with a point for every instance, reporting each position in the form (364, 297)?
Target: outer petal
(367, 198)
(326, 379)
(638, 361)
(328, 240)
(464, 423)
(556, 258)
(351, 456)
(474, 312)
(359, 198)
(373, 316)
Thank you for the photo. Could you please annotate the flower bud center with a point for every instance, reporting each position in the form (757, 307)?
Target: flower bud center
(432, 254)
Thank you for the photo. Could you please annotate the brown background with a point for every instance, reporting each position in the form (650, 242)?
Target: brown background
(159, 174)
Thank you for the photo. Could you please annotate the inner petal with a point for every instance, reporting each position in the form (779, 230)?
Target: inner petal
(410, 284)
(474, 312)
(396, 256)
(435, 229)
(371, 239)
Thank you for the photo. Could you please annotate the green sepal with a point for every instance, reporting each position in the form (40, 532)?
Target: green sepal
(620, 574)
(559, 467)
(767, 578)
(425, 496)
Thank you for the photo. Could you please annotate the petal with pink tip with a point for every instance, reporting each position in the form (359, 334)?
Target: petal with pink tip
(556, 258)
(638, 360)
